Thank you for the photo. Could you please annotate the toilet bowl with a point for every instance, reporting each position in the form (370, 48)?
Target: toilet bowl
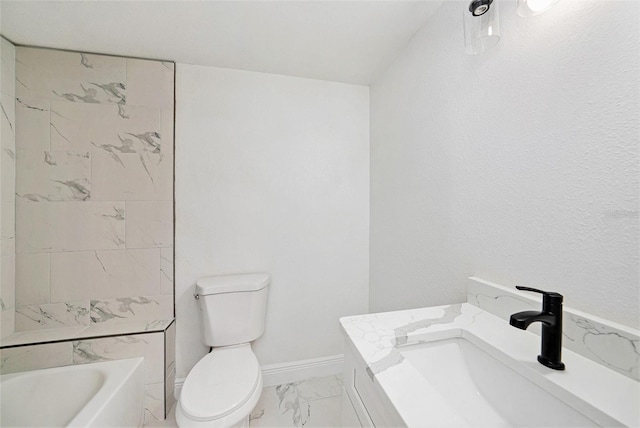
(224, 386)
(221, 390)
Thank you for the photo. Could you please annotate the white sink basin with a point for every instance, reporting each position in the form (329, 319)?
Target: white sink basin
(485, 391)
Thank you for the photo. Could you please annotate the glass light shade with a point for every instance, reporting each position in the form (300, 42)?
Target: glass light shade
(481, 32)
(534, 7)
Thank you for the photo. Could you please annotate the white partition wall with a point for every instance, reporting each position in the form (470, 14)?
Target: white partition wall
(272, 174)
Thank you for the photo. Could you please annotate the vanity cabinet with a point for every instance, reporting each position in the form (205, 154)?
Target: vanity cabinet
(364, 403)
(461, 366)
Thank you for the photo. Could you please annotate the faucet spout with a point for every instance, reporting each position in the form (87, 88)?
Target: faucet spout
(523, 320)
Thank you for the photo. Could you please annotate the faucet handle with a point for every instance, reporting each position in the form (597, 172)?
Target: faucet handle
(535, 290)
(546, 294)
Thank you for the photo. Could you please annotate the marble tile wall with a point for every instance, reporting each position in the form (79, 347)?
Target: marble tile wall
(7, 187)
(170, 367)
(154, 347)
(94, 189)
(605, 342)
(87, 214)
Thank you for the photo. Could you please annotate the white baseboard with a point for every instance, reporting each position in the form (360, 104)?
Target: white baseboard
(292, 371)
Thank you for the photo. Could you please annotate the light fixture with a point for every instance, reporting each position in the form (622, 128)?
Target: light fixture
(479, 7)
(481, 26)
(534, 7)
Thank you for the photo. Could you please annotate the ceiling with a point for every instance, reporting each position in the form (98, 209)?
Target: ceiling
(345, 41)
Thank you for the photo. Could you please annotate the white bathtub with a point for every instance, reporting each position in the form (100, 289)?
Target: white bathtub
(108, 394)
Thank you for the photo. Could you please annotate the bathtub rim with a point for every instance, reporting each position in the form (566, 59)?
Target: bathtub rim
(119, 372)
(115, 374)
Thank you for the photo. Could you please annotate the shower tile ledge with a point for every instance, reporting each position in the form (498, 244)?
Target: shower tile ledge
(55, 335)
(585, 385)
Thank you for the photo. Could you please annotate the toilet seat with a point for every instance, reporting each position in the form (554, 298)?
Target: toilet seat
(221, 383)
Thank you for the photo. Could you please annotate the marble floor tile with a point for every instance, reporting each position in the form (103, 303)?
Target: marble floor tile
(272, 411)
(323, 412)
(311, 402)
(284, 405)
(170, 422)
(319, 388)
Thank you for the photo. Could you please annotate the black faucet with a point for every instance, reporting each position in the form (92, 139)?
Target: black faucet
(551, 319)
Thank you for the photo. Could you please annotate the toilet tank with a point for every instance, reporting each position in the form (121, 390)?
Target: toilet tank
(232, 307)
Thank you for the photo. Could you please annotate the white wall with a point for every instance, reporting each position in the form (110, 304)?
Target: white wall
(272, 174)
(519, 165)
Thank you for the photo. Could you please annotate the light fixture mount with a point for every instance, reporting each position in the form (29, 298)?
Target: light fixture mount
(479, 7)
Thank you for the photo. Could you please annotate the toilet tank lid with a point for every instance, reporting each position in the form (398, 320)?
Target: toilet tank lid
(232, 283)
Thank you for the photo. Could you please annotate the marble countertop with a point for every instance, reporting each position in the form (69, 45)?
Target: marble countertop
(596, 391)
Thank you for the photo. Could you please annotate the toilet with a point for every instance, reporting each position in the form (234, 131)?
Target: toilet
(224, 386)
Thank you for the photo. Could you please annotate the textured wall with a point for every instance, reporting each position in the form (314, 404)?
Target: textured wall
(94, 189)
(519, 165)
(272, 174)
(8, 186)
